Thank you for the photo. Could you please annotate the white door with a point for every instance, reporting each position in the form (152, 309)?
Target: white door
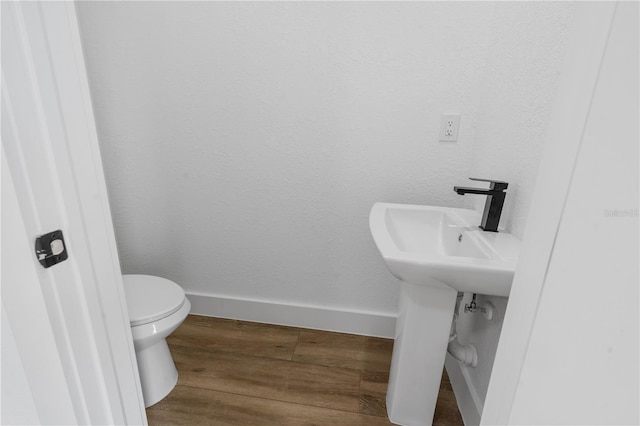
(68, 341)
(568, 351)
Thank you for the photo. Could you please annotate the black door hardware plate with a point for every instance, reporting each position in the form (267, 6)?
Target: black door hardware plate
(51, 248)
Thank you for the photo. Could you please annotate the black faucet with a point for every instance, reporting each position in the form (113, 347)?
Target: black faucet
(495, 200)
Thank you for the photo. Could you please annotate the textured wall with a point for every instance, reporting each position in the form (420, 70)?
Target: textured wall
(244, 143)
(517, 90)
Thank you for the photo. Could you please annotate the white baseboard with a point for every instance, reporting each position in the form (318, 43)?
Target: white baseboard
(467, 397)
(318, 318)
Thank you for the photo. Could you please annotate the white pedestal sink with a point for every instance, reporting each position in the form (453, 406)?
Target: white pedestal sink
(436, 252)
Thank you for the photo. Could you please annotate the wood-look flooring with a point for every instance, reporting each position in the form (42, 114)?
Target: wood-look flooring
(242, 373)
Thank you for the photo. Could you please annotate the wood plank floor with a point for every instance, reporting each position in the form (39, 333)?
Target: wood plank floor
(243, 373)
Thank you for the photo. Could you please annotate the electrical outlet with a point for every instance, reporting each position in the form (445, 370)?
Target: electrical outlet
(449, 126)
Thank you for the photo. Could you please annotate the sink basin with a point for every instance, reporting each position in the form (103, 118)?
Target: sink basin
(444, 247)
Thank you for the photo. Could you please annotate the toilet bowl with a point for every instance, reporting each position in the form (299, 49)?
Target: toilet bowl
(156, 307)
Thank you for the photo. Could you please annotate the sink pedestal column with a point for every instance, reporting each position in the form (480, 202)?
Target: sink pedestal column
(422, 335)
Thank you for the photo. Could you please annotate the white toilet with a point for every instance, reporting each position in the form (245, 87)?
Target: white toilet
(157, 307)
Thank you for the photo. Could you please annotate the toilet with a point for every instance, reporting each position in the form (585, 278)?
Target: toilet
(156, 307)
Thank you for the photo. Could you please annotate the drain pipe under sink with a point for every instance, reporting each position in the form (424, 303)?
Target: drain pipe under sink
(466, 354)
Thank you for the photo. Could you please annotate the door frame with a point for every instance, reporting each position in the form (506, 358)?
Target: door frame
(51, 147)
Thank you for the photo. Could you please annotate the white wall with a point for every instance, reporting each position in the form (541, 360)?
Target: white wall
(518, 88)
(244, 143)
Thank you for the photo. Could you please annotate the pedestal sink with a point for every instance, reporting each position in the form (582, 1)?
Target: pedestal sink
(435, 252)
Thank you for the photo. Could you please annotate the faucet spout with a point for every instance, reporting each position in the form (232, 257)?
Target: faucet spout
(461, 190)
(493, 206)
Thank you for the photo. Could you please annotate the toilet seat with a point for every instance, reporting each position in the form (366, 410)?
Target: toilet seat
(151, 298)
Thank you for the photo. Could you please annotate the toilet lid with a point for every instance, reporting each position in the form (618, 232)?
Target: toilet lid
(151, 298)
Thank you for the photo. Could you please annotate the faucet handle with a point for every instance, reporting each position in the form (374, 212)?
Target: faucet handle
(498, 185)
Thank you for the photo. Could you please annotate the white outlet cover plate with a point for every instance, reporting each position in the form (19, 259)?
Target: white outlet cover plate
(449, 125)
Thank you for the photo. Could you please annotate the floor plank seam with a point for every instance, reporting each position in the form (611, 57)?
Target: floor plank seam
(277, 400)
(221, 351)
(295, 346)
(337, 366)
